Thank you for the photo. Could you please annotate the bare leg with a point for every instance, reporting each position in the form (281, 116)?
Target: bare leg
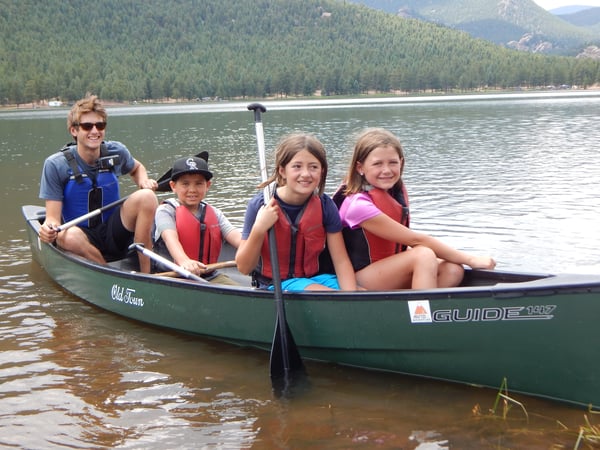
(317, 287)
(75, 241)
(416, 268)
(449, 274)
(137, 215)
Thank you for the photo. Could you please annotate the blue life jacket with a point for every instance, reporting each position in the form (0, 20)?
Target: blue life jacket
(88, 190)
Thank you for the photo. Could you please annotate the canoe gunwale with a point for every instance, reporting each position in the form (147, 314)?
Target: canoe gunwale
(503, 285)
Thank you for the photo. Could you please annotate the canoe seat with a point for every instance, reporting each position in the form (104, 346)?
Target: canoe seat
(128, 264)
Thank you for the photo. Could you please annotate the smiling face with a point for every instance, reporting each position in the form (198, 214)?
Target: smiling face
(302, 177)
(382, 168)
(88, 141)
(367, 142)
(190, 188)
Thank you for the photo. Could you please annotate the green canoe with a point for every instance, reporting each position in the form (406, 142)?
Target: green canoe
(537, 331)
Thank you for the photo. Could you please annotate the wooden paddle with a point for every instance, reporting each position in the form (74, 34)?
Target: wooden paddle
(286, 366)
(163, 186)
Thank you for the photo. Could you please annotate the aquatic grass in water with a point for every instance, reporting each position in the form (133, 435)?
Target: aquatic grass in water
(588, 436)
(588, 433)
(506, 401)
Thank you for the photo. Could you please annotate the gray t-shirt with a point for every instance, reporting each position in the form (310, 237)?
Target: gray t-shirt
(56, 171)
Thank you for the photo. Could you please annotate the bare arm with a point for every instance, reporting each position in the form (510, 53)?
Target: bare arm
(387, 228)
(171, 239)
(140, 177)
(53, 219)
(341, 262)
(234, 237)
(248, 252)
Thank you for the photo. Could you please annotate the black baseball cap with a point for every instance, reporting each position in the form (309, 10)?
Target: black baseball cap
(190, 164)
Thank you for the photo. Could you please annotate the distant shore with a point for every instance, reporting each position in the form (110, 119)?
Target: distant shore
(57, 105)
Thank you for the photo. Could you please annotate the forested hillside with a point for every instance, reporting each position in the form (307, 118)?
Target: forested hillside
(127, 50)
(512, 23)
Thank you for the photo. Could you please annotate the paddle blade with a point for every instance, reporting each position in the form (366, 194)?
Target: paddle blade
(287, 379)
(163, 185)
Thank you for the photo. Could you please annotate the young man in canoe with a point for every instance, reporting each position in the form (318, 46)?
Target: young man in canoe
(82, 178)
(188, 230)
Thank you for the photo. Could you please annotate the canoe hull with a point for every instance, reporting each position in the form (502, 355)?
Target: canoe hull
(538, 334)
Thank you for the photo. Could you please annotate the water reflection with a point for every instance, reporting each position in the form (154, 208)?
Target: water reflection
(77, 378)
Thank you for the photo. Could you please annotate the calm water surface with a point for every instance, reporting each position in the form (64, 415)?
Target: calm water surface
(515, 177)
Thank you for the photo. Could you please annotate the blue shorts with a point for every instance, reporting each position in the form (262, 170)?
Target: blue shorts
(300, 284)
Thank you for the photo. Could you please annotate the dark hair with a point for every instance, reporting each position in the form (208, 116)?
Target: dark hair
(288, 147)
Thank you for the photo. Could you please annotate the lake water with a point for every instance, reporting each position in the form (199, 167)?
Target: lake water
(514, 176)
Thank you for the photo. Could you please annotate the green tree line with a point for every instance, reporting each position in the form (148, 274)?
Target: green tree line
(127, 50)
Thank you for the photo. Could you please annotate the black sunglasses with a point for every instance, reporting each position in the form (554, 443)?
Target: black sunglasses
(87, 126)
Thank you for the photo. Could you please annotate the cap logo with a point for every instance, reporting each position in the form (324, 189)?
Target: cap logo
(191, 164)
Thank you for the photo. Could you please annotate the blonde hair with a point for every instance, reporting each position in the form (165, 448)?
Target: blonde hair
(90, 103)
(367, 141)
(288, 147)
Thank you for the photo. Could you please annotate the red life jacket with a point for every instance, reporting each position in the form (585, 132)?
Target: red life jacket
(363, 246)
(299, 244)
(200, 239)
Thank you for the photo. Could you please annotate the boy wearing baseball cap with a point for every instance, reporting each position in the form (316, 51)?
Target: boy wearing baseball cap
(188, 230)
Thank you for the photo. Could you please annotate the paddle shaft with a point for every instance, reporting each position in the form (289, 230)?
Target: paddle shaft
(170, 264)
(209, 268)
(163, 185)
(284, 347)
